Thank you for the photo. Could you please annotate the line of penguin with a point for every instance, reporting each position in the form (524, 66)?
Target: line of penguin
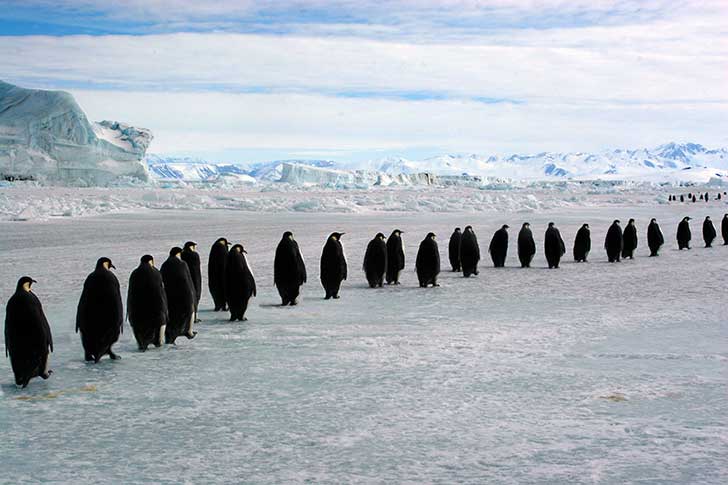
(694, 197)
(162, 304)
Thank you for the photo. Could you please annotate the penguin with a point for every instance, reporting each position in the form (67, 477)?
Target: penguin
(613, 242)
(582, 244)
(655, 239)
(100, 314)
(28, 339)
(289, 270)
(395, 257)
(694, 199)
(375, 261)
(707, 197)
(239, 283)
(683, 234)
(498, 248)
(553, 246)
(428, 261)
(216, 273)
(454, 249)
(724, 229)
(682, 198)
(526, 245)
(708, 232)
(629, 240)
(701, 196)
(192, 258)
(180, 297)
(146, 304)
(333, 265)
(469, 252)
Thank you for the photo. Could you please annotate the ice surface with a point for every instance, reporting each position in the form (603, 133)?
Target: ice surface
(26, 201)
(45, 135)
(590, 373)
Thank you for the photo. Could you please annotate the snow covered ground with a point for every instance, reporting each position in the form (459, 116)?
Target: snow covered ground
(590, 373)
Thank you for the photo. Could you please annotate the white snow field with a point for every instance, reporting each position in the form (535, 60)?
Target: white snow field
(592, 373)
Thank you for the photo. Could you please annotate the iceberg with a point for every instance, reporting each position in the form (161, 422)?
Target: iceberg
(46, 136)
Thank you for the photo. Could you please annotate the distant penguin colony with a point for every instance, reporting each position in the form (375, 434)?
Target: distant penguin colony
(162, 305)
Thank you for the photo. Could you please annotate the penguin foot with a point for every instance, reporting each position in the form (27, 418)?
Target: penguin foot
(114, 356)
(327, 297)
(244, 319)
(294, 303)
(191, 335)
(88, 357)
(435, 285)
(232, 319)
(197, 320)
(336, 297)
(47, 374)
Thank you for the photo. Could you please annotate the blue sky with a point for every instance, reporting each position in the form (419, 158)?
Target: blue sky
(245, 81)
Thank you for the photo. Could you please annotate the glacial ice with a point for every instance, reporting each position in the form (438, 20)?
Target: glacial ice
(45, 136)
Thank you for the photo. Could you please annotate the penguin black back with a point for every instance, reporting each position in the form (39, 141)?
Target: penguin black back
(100, 313)
(289, 270)
(526, 245)
(469, 252)
(629, 240)
(192, 258)
(333, 269)
(553, 246)
(453, 249)
(146, 304)
(375, 261)
(499, 247)
(613, 242)
(724, 229)
(239, 283)
(28, 339)
(684, 235)
(180, 296)
(395, 257)
(428, 261)
(582, 244)
(655, 239)
(708, 232)
(216, 273)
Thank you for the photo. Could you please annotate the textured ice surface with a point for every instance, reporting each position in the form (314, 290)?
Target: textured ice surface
(590, 373)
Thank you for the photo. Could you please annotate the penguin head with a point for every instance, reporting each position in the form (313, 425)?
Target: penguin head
(457, 229)
(380, 236)
(222, 241)
(707, 218)
(526, 225)
(431, 235)
(175, 252)
(616, 221)
(653, 220)
(686, 218)
(397, 232)
(104, 263)
(468, 228)
(288, 235)
(585, 226)
(506, 226)
(190, 246)
(25, 283)
(551, 224)
(239, 248)
(336, 235)
(631, 221)
(147, 259)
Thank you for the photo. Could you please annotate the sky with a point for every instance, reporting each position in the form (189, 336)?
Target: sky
(242, 81)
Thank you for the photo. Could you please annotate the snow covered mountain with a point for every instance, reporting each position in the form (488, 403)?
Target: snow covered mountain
(195, 170)
(671, 162)
(45, 136)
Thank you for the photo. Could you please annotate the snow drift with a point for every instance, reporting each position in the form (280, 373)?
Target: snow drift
(45, 136)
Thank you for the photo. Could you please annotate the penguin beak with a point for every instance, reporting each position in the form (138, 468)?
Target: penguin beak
(33, 281)
(111, 265)
(244, 251)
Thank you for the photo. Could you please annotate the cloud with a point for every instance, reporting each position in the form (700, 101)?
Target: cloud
(461, 75)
